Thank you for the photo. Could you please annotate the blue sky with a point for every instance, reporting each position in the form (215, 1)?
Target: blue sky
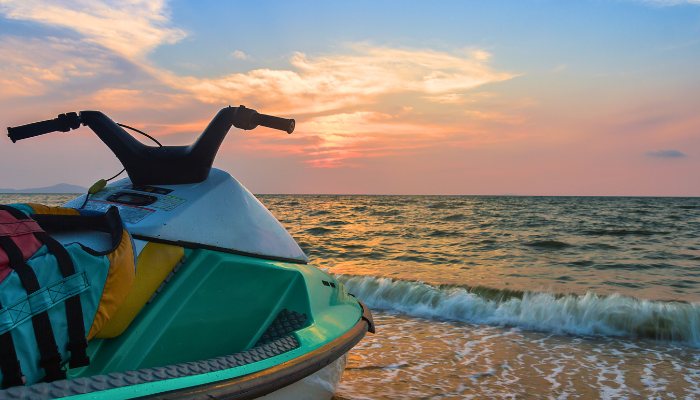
(526, 97)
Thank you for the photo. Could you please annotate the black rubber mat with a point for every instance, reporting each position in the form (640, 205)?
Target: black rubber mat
(285, 323)
(64, 388)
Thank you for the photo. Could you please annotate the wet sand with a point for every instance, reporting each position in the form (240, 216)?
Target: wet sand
(411, 358)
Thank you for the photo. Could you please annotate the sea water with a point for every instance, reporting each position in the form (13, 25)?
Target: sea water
(507, 296)
(513, 297)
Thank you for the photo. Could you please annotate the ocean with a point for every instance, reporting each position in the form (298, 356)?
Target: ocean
(509, 296)
(513, 297)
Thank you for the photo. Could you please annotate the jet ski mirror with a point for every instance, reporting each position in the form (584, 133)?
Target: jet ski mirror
(166, 165)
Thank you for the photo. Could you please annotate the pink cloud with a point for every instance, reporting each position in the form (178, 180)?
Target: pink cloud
(358, 77)
(130, 28)
(31, 67)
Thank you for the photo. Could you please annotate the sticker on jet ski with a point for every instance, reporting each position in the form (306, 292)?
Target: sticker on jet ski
(133, 206)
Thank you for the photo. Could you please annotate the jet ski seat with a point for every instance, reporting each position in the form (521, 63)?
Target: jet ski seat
(154, 267)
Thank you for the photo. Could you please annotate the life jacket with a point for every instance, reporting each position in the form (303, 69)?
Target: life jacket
(54, 298)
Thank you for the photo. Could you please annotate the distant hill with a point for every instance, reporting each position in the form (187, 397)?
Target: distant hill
(60, 188)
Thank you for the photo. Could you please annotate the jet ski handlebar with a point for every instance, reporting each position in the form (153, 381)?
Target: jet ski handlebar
(64, 123)
(166, 165)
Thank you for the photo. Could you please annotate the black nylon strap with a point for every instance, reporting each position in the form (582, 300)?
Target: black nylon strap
(50, 357)
(9, 363)
(77, 344)
(14, 212)
(109, 222)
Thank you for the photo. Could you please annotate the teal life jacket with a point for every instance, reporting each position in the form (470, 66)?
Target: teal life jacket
(54, 298)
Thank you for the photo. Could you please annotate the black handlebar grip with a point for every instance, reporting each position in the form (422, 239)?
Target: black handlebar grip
(269, 121)
(64, 123)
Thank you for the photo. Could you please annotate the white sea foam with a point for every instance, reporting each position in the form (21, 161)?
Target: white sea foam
(588, 314)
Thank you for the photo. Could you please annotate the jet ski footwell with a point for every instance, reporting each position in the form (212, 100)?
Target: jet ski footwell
(182, 381)
(269, 365)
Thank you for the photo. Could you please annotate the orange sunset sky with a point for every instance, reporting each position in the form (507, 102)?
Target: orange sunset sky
(505, 97)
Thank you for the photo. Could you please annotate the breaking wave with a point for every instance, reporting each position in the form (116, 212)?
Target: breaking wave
(588, 314)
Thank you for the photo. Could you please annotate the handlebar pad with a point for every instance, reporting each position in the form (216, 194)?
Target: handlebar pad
(64, 123)
(270, 121)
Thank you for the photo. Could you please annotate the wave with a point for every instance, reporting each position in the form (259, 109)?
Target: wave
(622, 232)
(441, 233)
(589, 314)
(441, 205)
(320, 212)
(336, 222)
(455, 217)
(319, 230)
(389, 213)
(549, 244)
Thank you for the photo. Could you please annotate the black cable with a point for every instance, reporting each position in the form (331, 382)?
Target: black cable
(87, 195)
(143, 133)
(120, 172)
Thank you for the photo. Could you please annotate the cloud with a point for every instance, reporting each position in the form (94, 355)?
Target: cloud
(344, 139)
(666, 154)
(363, 124)
(559, 68)
(31, 67)
(459, 98)
(241, 55)
(331, 82)
(449, 98)
(496, 116)
(131, 28)
(129, 99)
(342, 94)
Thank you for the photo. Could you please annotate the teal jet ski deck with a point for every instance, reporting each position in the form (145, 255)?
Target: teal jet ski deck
(153, 355)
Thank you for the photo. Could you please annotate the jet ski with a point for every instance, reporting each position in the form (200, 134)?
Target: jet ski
(224, 303)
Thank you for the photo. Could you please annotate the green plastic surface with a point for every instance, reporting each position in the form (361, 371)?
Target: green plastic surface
(219, 304)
